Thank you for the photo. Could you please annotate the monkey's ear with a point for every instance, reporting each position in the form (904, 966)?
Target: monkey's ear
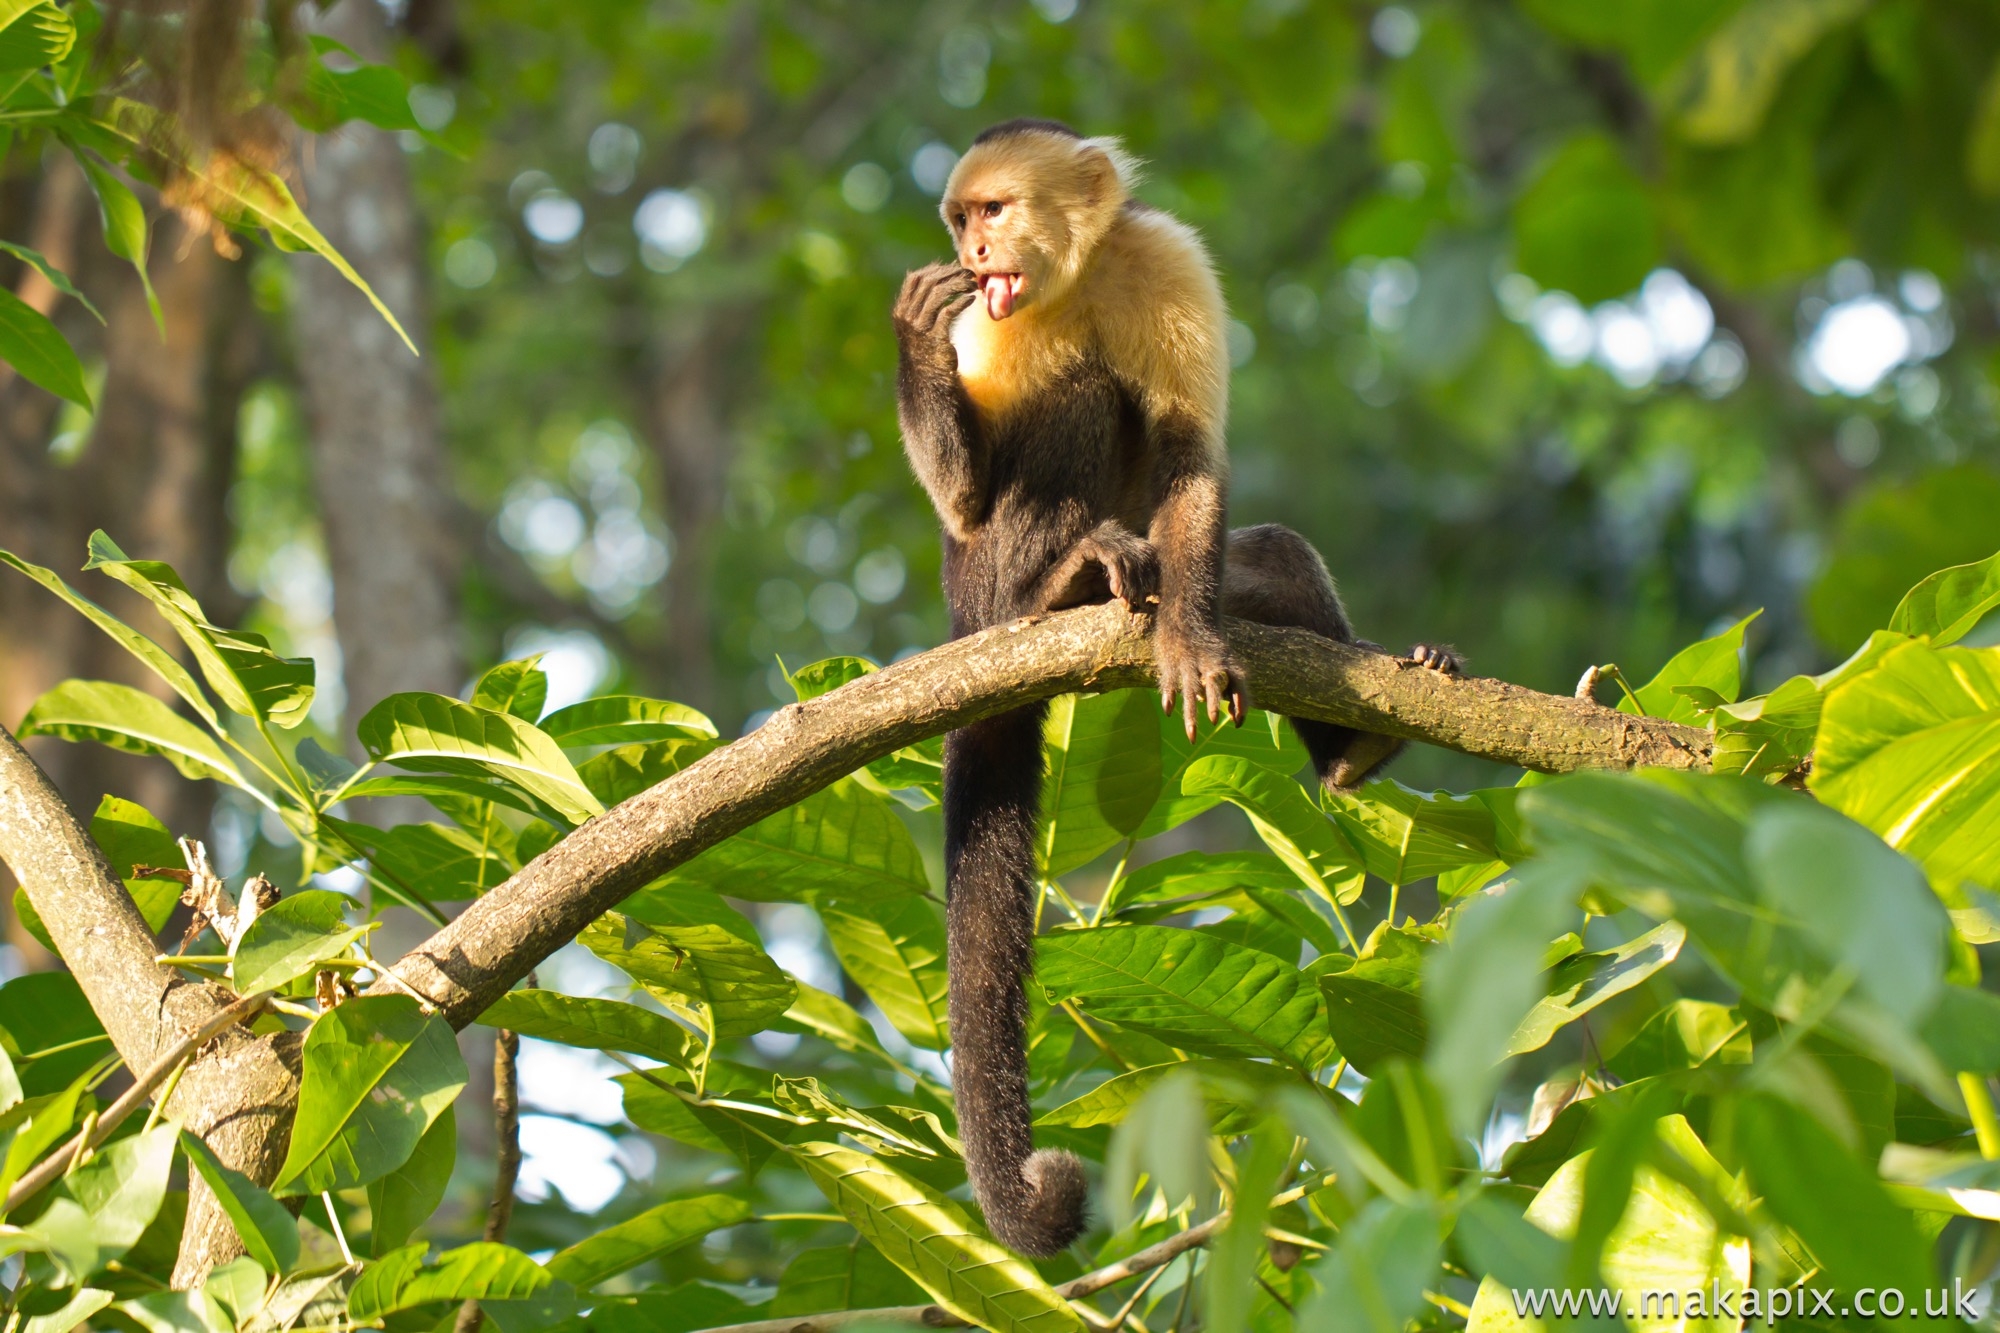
(1103, 181)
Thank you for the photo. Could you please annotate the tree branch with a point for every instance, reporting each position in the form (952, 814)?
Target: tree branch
(471, 962)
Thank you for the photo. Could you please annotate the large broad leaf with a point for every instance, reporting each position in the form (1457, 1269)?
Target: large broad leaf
(129, 720)
(429, 861)
(1264, 740)
(1237, 1094)
(1103, 775)
(919, 766)
(1405, 835)
(156, 658)
(291, 938)
(1713, 667)
(378, 1071)
(49, 1031)
(86, 1302)
(736, 985)
(622, 773)
(842, 1277)
(31, 343)
(239, 666)
(1374, 1278)
(1950, 604)
(623, 719)
(594, 1024)
(1287, 820)
(438, 734)
(102, 1207)
(647, 1236)
(1375, 1011)
(34, 36)
(896, 953)
(1664, 1241)
(519, 687)
(929, 1237)
(1190, 990)
(268, 1232)
(1583, 981)
(404, 1200)
(843, 842)
(1834, 1202)
(1912, 750)
(401, 1280)
(662, 1101)
(1683, 1035)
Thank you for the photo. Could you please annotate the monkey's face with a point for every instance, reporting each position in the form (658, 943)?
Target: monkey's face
(997, 240)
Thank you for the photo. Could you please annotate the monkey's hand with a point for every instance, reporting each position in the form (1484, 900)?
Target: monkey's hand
(1194, 663)
(931, 299)
(1130, 563)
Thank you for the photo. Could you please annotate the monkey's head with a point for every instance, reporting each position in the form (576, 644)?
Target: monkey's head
(1027, 206)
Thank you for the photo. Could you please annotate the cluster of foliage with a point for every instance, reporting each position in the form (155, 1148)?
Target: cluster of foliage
(1801, 1098)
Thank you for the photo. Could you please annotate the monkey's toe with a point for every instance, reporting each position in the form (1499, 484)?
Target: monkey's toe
(1436, 657)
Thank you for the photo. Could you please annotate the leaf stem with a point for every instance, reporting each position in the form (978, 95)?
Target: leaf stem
(1985, 1123)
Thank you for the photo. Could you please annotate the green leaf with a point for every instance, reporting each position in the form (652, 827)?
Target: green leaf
(1236, 1093)
(1861, 903)
(31, 343)
(735, 983)
(1895, 534)
(1664, 1241)
(49, 1030)
(1949, 605)
(240, 192)
(36, 37)
(520, 688)
(895, 952)
(1911, 749)
(1103, 775)
(680, 1309)
(843, 841)
(436, 733)
(1683, 1035)
(1373, 1280)
(929, 1237)
(156, 658)
(1190, 990)
(1714, 664)
(290, 939)
(594, 1024)
(372, 93)
(1726, 88)
(176, 1312)
(1835, 1203)
(1265, 740)
(842, 1277)
(404, 1200)
(239, 666)
(1288, 822)
(649, 1235)
(476, 790)
(1375, 1011)
(128, 835)
(480, 1271)
(620, 774)
(436, 863)
(1404, 835)
(129, 720)
(747, 1137)
(269, 1233)
(828, 1016)
(86, 1302)
(125, 233)
(1586, 224)
(623, 719)
(118, 1190)
(378, 1071)
(56, 277)
(1163, 1142)
(1583, 981)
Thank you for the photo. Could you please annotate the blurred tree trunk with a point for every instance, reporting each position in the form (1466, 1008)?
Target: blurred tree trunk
(682, 418)
(379, 462)
(153, 470)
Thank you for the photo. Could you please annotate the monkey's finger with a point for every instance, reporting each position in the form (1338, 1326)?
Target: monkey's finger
(1211, 688)
(1239, 705)
(1191, 701)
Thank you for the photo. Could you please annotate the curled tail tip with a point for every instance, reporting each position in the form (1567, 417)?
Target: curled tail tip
(1054, 1213)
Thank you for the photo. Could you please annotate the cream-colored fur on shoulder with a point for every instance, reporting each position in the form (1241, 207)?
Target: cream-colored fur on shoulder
(1148, 301)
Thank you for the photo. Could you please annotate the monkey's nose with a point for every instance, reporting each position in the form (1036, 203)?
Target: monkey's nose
(981, 252)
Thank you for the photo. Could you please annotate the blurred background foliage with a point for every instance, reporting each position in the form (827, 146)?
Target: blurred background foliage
(1569, 331)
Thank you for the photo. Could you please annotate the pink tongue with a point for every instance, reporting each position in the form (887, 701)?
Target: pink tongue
(999, 296)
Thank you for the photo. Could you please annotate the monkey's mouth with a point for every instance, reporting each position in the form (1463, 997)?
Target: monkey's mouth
(1001, 291)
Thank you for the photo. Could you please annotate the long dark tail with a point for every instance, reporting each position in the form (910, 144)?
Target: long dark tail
(1034, 1201)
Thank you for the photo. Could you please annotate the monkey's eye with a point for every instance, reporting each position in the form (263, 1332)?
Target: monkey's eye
(958, 221)
(993, 207)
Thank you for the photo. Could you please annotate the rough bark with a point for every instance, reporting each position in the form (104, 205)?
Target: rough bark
(239, 1093)
(378, 459)
(468, 964)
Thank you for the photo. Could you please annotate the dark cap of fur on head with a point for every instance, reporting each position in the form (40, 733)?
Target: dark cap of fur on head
(1007, 129)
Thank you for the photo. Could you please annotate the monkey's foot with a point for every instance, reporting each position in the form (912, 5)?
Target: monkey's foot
(1435, 657)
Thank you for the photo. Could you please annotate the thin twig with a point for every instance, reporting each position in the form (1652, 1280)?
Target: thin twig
(507, 1157)
(90, 1136)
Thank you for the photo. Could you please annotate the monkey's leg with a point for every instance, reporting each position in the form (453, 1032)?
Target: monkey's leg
(1033, 1201)
(1275, 577)
(1110, 561)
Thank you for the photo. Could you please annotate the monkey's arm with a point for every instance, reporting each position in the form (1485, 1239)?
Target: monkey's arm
(940, 428)
(1188, 530)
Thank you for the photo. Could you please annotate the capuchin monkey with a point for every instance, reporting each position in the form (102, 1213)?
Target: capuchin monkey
(1062, 390)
